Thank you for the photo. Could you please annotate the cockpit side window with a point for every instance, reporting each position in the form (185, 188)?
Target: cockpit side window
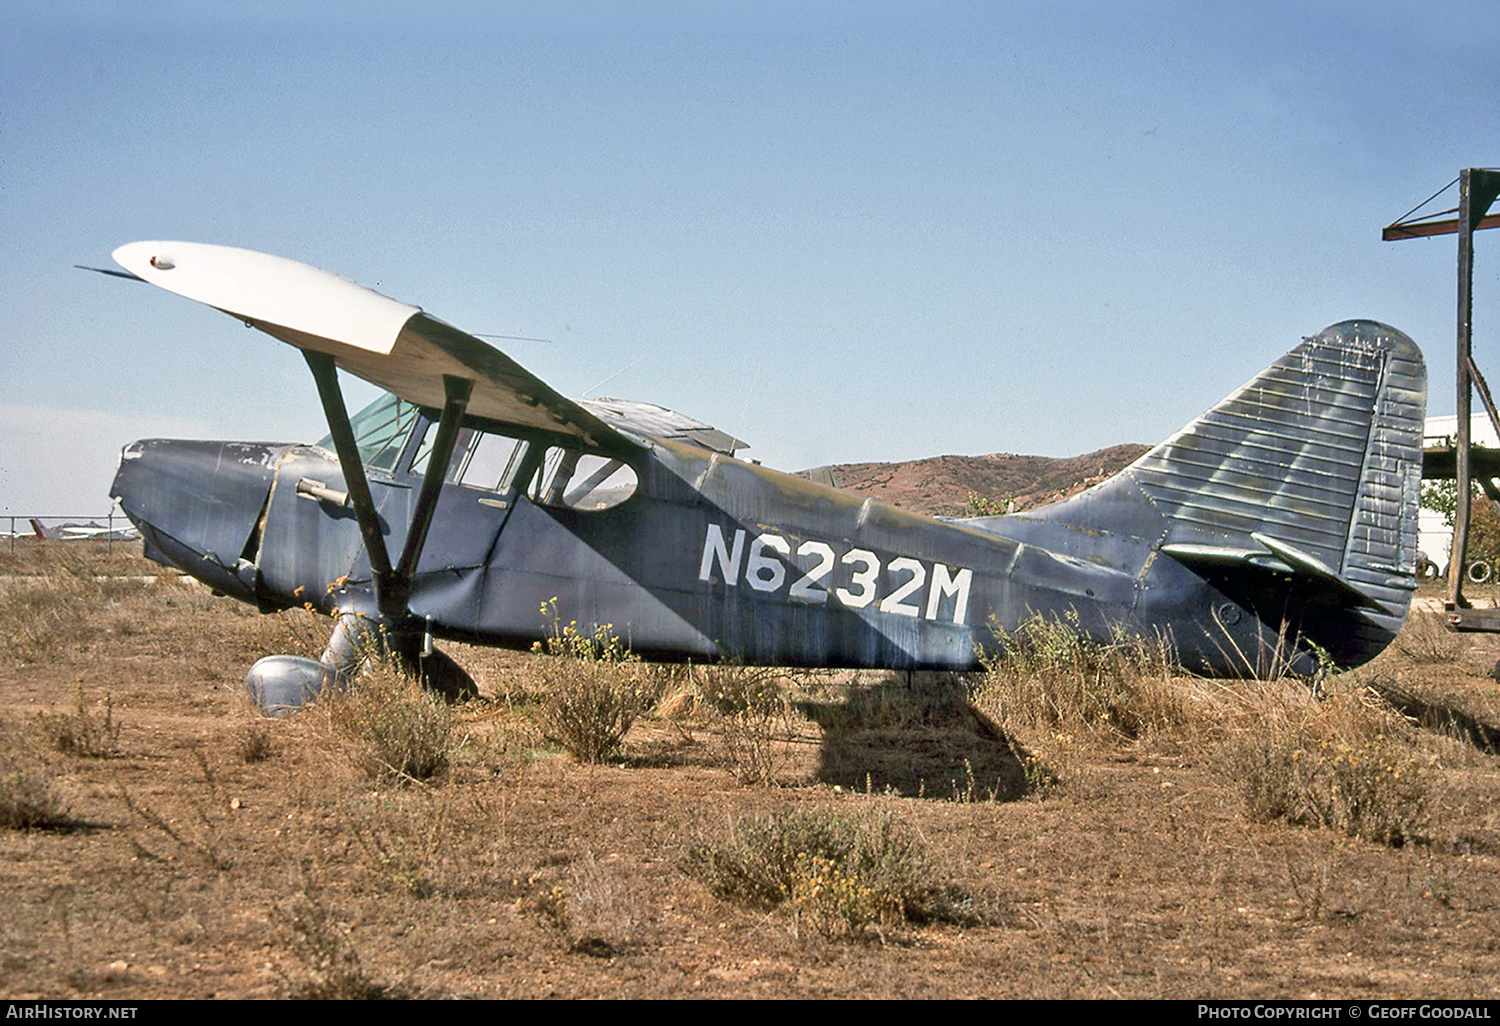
(560, 476)
(380, 431)
(481, 460)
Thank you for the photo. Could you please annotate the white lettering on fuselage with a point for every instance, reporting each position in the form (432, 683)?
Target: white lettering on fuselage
(769, 556)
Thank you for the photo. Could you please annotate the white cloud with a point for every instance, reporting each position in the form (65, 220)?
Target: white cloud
(60, 462)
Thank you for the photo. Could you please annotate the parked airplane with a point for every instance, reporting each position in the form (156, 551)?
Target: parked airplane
(74, 532)
(1277, 529)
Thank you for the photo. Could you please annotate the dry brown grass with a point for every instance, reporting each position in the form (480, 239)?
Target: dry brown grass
(50, 614)
(30, 797)
(754, 719)
(839, 876)
(1142, 876)
(593, 911)
(331, 966)
(1346, 762)
(1046, 677)
(1426, 639)
(253, 742)
(402, 844)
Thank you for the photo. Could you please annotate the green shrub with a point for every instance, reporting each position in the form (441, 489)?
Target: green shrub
(594, 688)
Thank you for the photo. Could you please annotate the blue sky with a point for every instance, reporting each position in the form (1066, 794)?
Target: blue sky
(842, 231)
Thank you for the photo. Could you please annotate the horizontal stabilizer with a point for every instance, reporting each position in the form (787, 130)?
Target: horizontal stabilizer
(1276, 558)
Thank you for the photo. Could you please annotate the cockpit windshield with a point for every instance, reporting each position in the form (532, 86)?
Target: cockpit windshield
(380, 431)
(559, 476)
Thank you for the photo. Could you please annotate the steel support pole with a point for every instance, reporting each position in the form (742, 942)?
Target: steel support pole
(1462, 475)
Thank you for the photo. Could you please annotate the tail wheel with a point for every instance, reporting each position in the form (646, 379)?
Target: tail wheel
(1480, 571)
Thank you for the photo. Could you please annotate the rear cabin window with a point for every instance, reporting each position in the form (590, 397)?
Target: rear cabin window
(583, 481)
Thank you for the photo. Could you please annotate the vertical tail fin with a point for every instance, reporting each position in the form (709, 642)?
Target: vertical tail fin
(1312, 472)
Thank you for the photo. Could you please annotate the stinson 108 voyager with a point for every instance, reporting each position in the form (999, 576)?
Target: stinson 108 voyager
(1276, 530)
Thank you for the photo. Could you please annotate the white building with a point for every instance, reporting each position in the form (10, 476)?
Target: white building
(1434, 536)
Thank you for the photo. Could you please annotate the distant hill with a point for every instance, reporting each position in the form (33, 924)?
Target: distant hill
(941, 484)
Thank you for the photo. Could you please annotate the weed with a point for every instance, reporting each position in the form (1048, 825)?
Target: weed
(594, 914)
(837, 875)
(392, 728)
(327, 953)
(83, 731)
(1046, 675)
(407, 859)
(970, 792)
(1313, 885)
(302, 631)
(52, 613)
(1337, 765)
(1045, 772)
(202, 840)
(550, 906)
(604, 913)
(594, 688)
(253, 742)
(512, 735)
(1444, 713)
(1426, 639)
(679, 694)
(753, 717)
(29, 797)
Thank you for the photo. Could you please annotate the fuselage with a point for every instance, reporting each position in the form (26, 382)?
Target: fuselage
(696, 556)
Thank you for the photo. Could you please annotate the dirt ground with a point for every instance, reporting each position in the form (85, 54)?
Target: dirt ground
(182, 869)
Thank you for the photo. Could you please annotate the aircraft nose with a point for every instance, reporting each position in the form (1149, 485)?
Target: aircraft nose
(198, 504)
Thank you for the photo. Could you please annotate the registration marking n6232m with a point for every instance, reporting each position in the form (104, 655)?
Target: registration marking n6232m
(764, 562)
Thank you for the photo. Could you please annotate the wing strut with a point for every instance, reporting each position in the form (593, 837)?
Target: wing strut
(457, 392)
(392, 585)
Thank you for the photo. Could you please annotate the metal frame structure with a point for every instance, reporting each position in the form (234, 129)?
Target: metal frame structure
(1478, 189)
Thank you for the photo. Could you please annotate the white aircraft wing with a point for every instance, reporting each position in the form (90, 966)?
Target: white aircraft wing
(389, 343)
